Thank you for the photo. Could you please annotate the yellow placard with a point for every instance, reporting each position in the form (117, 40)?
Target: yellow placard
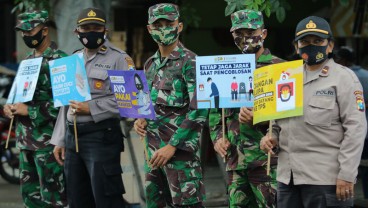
(278, 91)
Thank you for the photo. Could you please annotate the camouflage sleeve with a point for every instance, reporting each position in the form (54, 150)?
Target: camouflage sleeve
(215, 124)
(187, 135)
(42, 112)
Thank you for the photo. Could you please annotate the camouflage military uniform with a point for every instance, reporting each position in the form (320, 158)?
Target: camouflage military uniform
(172, 85)
(41, 177)
(249, 185)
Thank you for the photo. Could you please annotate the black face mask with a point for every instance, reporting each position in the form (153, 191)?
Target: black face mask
(34, 41)
(313, 55)
(92, 40)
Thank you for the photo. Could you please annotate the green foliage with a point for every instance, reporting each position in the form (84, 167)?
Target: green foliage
(189, 15)
(268, 7)
(344, 2)
(29, 5)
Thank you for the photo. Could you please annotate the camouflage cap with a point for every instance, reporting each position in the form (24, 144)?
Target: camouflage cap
(163, 11)
(249, 19)
(29, 20)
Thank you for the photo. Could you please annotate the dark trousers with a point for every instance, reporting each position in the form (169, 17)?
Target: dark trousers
(234, 95)
(309, 196)
(217, 101)
(93, 175)
(363, 171)
(250, 94)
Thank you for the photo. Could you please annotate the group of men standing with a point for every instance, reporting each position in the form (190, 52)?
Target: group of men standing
(173, 167)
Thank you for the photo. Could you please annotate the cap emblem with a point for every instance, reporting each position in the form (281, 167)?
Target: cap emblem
(91, 13)
(311, 25)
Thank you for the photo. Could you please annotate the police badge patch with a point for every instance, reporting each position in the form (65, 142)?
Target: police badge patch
(130, 63)
(98, 84)
(359, 100)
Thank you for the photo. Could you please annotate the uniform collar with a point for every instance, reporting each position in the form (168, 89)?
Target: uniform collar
(104, 48)
(324, 71)
(265, 57)
(48, 53)
(175, 54)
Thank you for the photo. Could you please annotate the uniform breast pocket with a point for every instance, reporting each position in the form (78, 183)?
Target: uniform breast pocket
(99, 81)
(168, 93)
(319, 111)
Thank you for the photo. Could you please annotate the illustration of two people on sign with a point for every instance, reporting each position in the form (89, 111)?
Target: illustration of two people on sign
(27, 87)
(285, 89)
(143, 98)
(241, 89)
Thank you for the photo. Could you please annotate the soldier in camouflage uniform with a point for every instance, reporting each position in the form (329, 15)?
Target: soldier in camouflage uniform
(173, 172)
(249, 185)
(41, 177)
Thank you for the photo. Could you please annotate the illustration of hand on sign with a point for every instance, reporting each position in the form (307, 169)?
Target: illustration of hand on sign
(81, 82)
(143, 99)
(285, 89)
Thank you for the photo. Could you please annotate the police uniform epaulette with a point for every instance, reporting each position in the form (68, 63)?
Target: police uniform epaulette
(349, 71)
(117, 49)
(103, 48)
(78, 50)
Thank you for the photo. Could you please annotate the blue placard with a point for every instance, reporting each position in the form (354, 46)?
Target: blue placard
(225, 81)
(69, 80)
(25, 82)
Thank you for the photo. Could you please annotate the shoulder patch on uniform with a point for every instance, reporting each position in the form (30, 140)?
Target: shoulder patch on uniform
(359, 100)
(130, 63)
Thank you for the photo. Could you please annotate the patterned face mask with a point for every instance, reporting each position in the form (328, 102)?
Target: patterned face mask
(313, 54)
(165, 35)
(248, 44)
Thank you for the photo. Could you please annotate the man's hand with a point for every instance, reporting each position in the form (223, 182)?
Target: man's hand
(16, 109)
(140, 126)
(344, 190)
(268, 143)
(59, 154)
(246, 115)
(162, 156)
(221, 147)
(79, 107)
(7, 111)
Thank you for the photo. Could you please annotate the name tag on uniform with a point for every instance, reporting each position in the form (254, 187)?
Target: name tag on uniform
(102, 66)
(330, 92)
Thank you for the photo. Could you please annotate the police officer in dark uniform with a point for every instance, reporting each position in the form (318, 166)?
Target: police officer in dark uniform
(93, 174)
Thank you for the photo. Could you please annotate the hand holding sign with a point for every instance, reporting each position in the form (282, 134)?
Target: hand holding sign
(23, 89)
(70, 85)
(246, 115)
(79, 107)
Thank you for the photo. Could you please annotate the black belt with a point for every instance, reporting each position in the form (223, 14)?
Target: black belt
(89, 127)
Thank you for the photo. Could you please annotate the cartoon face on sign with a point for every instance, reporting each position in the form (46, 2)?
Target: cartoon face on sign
(285, 89)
